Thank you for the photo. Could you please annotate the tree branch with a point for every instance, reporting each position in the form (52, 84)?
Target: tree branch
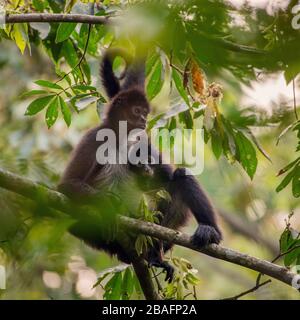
(256, 287)
(55, 17)
(277, 272)
(58, 201)
(85, 18)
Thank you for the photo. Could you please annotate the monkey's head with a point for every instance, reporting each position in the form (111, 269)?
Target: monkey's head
(129, 105)
(128, 99)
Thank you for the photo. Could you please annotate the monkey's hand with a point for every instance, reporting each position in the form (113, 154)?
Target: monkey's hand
(167, 268)
(142, 169)
(205, 235)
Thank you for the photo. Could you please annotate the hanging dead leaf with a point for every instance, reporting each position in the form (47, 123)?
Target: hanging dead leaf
(198, 79)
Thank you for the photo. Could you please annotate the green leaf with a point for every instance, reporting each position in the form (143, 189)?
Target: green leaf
(113, 287)
(192, 279)
(216, 144)
(97, 32)
(288, 167)
(65, 111)
(52, 112)
(150, 63)
(152, 122)
(186, 118)
(48, 84)
(292, 256)
(291, 71)
(80, 96)
(70, 4)
(82, 87)
(32, 93)
(246, 153)
(259, 147)
(172, 124)
(19, 33)
(285, 241)
(179, 85)
(110, 271)
(64, 31)
(288, 178)
(86, 70)
(38, 105)
(296, 183)
(127, 285)
(69, 52)
(39, 5)
(155, 82)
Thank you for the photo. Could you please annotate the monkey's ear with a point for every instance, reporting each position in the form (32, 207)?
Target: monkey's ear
(119, 102)
(109, 80)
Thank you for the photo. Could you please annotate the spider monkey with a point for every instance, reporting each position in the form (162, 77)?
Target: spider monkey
(85, 178)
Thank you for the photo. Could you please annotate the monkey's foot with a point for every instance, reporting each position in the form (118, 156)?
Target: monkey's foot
(206, 235)
(166, 268)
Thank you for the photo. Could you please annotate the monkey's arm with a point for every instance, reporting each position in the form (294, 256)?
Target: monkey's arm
(186, 192)
(187, 188)
(75, 181)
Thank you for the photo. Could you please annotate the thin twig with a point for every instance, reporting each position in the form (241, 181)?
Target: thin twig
(188, 294)
(82, 57)
(280, 255)
(248, 291)
(295, 104)
(195, 293)
(159, 287)
(259, 276)
(286, 252)
(172, 65)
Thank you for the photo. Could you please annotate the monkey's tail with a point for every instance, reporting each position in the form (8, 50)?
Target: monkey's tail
(109, 80)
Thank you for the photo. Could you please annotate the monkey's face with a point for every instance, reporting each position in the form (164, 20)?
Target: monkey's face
(131, 106)
(137, 116)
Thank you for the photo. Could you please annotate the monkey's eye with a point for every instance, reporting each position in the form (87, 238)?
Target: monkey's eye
(137, 110)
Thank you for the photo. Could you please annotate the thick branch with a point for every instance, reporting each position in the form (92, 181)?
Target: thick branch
(55, 17)
(85, 18)
(58, 201)
(216, 251)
